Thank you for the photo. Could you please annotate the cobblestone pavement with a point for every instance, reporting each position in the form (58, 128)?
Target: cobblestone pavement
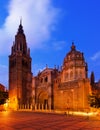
(46, 121)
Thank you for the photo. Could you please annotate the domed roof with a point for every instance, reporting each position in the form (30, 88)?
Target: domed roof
(73, 54)
(74, 65)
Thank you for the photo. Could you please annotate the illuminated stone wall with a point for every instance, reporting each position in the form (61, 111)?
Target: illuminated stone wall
(68, 88)
(43, 88)
(72, 95)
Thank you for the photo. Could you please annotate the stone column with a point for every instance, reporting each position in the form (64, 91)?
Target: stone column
(42, 106)
(35, 106)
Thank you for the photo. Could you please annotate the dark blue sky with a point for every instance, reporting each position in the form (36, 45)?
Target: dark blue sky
(77, 20)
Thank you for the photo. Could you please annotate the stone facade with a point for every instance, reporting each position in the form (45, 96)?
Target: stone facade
(43, 88)
(56, 89)
(72, 95)
(64, 89)
(20, 76)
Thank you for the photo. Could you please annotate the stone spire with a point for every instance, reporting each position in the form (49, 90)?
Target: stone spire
(20, 29)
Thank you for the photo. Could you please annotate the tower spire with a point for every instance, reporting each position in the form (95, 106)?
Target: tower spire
(20, 29)
(20, 20)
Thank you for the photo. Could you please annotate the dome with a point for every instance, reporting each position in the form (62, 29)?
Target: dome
(74, 66)
(73, 55)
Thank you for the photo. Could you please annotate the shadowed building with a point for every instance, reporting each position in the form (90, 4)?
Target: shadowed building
(94, 85)
(2, 88)
(20, 75)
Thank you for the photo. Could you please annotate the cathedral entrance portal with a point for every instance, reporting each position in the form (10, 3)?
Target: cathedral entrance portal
(43, 100)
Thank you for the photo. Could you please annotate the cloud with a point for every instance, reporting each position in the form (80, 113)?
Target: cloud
(59, 45)
(96, 56)
(39, 18)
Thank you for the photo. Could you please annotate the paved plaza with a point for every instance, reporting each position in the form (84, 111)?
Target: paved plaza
(19, 120)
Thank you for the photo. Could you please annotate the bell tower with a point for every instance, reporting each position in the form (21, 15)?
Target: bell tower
(20, 75)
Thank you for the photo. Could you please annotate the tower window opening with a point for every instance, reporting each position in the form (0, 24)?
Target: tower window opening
(20, 46)
(46, 79)
(41, 80)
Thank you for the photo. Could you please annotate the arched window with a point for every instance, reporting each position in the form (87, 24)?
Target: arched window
(80, 74)
(41, 80)
(71, 74)
(76, 74)
(66, 76)
(46, 79)
(20, 46)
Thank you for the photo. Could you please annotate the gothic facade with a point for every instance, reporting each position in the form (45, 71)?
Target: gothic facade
(20, 75)
(43, 89)
(52, 88)
(63, 89)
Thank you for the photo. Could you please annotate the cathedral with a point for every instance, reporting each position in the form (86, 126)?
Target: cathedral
(52, 88)
(63, 89)
(20, 75)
